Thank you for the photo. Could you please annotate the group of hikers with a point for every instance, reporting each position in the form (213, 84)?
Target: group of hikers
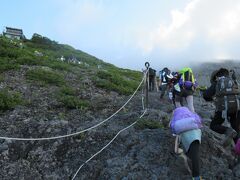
(186, 124)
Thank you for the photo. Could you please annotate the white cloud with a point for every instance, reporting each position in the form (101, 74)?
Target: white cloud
(172, 36)
(229, 26)
(202, 29)
(211, 21)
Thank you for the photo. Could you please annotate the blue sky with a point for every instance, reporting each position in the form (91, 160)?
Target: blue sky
(126, 33)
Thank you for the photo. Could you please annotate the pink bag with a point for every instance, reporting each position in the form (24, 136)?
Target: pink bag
(237, 147)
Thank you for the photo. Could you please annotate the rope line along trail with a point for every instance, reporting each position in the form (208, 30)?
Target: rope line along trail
(107, 144)
(145, 110)
(79, 132)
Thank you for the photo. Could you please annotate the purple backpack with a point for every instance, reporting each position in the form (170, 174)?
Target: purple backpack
(184, 120)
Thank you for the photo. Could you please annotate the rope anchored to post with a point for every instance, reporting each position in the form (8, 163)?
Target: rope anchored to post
(147, 65)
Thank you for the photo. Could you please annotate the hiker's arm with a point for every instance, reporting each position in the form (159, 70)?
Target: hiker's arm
(195, 84)
(169, 76)
(210, 92)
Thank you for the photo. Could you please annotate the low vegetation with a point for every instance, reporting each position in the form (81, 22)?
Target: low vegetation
(114, 80)
(8, 64)
(45, 77)
(68, 97)
(9, 99)
(148, 124)
(42, 57)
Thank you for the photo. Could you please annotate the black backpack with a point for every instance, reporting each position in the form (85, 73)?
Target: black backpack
(152, 72)
(227, 95)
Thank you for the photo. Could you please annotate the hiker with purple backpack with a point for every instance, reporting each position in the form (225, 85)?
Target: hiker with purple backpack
(186, 125)
(185, 88)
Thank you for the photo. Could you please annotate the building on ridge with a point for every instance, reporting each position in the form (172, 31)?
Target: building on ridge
(13, 33)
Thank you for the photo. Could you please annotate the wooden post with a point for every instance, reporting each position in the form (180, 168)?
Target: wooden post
(147, 83)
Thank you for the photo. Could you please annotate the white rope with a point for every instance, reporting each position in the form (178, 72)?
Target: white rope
(143, 99)
(107, 144)
(145, 74)
(76, 133)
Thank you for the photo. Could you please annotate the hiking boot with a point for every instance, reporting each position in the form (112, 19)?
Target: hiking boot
(230, 134)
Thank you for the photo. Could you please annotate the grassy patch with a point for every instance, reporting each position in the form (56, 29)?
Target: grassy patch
(1, 78)
(9, 99)
(148, 124)
(29, 60)
(7, 64)
(115, 81)
(67, 96)
(59, 65)
(45, 77)
(65, 90)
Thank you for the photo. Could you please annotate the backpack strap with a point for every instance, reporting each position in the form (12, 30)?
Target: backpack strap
(238, 105)
(224, 112)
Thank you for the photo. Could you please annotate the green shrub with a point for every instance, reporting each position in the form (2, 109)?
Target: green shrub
(1, 78)
(7, 64)
(58, 65)
(67, 96)
(45, 76)
(8, 100)
(112, 80)
(29, 60)
(67, 91)
(73, 102)
(148, 124)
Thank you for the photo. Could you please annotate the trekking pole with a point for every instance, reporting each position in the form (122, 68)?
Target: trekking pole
(147, 82)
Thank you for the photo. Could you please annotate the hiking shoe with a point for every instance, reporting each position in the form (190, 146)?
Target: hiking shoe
(230, 134)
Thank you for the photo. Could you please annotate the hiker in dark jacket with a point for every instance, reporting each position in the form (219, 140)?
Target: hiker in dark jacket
(152, 79)
(218, 119)
(172, 82)
(165, 75)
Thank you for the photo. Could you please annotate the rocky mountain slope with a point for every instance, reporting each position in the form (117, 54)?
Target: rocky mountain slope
(43, 97)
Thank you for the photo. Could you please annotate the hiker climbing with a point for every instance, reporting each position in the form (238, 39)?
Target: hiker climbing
(224, 91)
(165, 75)
(186, 125)
(185, 88)
(152, 79)
(172, 82)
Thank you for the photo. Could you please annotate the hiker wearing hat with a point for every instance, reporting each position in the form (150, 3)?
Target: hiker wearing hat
(224, 92)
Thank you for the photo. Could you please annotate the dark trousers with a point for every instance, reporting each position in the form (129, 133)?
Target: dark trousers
(193, 154)
(217, 121)
(151, 83)
(163, 89)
